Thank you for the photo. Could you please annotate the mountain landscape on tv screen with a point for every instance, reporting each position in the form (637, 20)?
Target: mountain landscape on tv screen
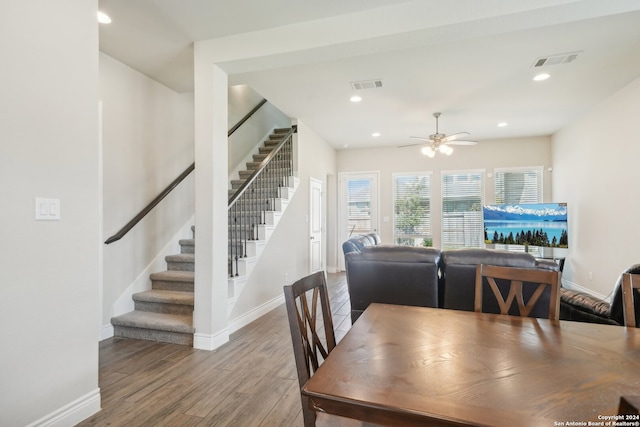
(540, 224)
(538, 212)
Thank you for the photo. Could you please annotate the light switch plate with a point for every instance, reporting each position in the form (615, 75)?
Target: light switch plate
(47, 209)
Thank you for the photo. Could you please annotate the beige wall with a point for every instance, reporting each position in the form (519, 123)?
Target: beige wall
(147, 138)
(596, 171)
(49, 296)
(486, 156)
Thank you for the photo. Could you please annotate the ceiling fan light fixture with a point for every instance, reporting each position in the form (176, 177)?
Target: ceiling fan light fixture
(445, 149)
(428, 151)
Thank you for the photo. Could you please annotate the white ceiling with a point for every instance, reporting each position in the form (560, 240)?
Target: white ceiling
(471, 60)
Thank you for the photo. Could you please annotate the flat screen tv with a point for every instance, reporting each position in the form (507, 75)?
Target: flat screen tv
(529, 224)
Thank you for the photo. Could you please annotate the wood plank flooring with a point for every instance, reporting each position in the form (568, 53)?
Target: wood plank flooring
(250, 381)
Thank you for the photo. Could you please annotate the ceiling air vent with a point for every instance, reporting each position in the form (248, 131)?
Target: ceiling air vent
(366, 84)
(565, 58)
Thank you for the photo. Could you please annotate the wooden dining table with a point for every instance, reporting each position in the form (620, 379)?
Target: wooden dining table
(417, 366)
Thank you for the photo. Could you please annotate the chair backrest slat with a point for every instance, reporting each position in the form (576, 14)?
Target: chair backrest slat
(629, 283)
(516, 278)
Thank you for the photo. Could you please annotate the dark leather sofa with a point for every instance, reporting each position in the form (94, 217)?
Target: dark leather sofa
(404, 275)
(426, 277)
(459, 275)
(584, 307)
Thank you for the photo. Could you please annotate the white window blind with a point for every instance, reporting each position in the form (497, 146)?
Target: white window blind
(518, 185)
(359, 206)
(462, 209)
(412, 209)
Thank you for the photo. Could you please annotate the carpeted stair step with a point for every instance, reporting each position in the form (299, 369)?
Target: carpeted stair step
(255, 164)
(170, 302)
(188, 246)
(171, 328)
(181, 262)
(172, 280)
(236, 183)
(245, 174)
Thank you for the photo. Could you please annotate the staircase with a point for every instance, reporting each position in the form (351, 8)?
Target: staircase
(165, 313)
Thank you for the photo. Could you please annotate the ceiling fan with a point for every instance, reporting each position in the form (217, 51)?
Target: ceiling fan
(440, 142)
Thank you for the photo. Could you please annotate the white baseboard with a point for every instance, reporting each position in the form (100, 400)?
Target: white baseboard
(332, 269)
(73, 413)
(210, 342)
(106, 332)
(256, 313)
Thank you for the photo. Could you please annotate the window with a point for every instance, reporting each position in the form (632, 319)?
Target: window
(412, 209)
(522, 185)
(462, 209)
(361, 205)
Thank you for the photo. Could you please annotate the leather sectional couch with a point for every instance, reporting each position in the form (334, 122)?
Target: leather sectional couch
(432, 278)
(426, 277)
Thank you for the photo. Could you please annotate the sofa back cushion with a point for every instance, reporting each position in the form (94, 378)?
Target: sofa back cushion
(459, 273)
(392, 275)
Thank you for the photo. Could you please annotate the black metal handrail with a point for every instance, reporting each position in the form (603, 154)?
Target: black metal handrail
(136, 219)
(246, 117)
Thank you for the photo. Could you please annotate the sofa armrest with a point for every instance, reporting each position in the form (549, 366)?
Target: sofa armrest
(583, 307)
(585, 302)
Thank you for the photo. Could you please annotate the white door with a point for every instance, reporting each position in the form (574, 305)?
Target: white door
(315, 225)
(358, 207)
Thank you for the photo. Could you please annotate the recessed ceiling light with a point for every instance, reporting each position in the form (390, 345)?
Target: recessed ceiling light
(503, 124)
(375, 134)
(540, 77)
(103, 18)
(355, 98)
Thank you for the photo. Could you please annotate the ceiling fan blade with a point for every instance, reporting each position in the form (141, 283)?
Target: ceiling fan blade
(454, 136)
(462, 142)
(411, 145)
(422, 138)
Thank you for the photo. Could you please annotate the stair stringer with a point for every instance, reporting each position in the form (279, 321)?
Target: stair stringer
(255, 248)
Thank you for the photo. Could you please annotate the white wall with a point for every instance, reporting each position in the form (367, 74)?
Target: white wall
(288, 250)
(596, 170)
(50, 269)
(253, 132)
(148, 140)
(487, 155)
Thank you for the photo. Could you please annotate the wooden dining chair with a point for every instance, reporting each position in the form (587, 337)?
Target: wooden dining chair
(308, 310)
(629, 283)
(517, 277)
(629, 405)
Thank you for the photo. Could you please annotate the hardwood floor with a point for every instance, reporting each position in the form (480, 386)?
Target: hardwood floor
(250, 381)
